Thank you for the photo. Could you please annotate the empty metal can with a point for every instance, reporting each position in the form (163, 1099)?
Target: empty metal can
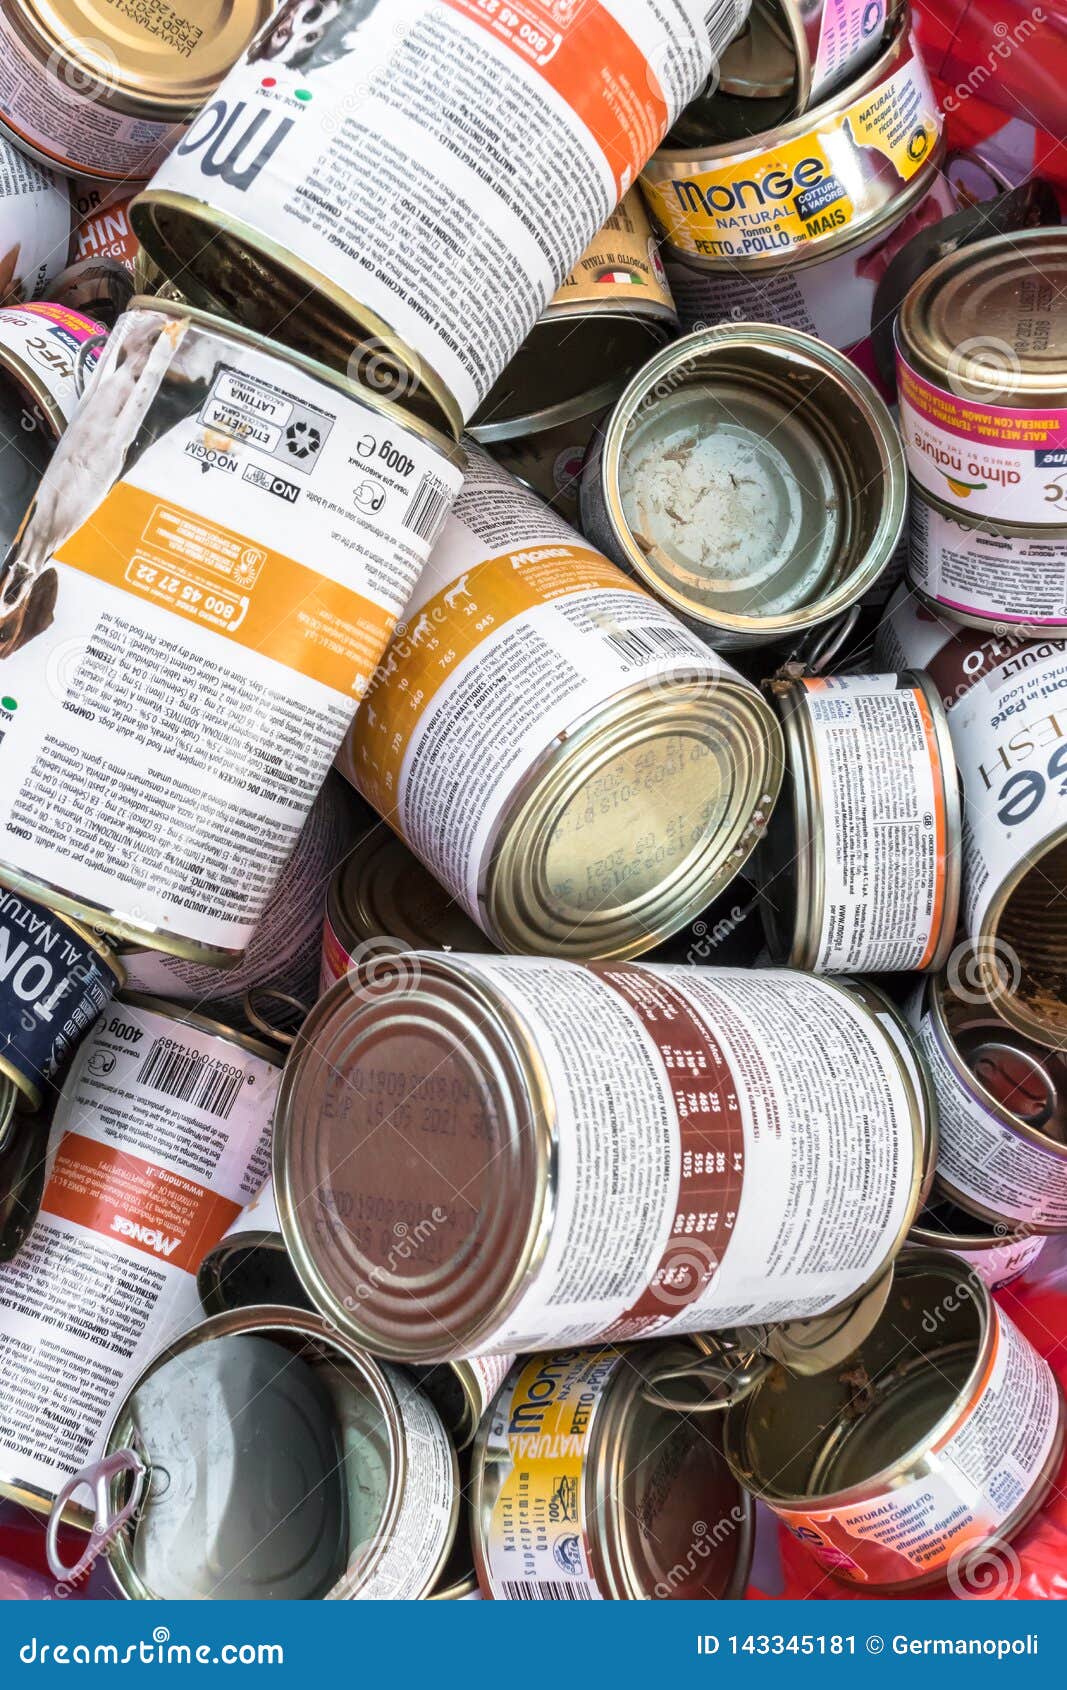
(582, 1154)
(861, 869)
(584, 1489)
(1000, 1253)
(180, 693)
(363, 1492)
(323, 194)
(103, 91)
(794, 191)
(1002, 1103)
(943, 1434)
(981, 349)
(578, 770)
(751, 478)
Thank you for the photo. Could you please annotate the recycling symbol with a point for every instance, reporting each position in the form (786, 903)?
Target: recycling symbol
(301, 439)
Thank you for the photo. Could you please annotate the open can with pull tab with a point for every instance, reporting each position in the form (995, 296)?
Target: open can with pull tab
(364, 1494)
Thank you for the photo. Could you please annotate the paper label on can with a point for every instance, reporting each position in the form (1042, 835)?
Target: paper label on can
(982, 1159)
(733, 1148)
(547, 628)
(803, 190)
(1009, 730)
(882, 824)
(585, 90)
(53, 988)
(909, 636)
(997, 461)
(979, 572)
(64, 116)
(335, 958)
(536, 1541)
(162, 1133)
(984, 1467)
(49, 338)
(849, 35)
(1004, 1263)
(106, 233)
(426, 1520)
(621, 268)
(215, 559)
(35, 226)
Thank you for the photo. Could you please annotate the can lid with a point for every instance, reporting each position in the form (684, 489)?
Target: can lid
(382, 892)
(987, 320)
(1022, 1082)
(812, 1346)
(171, 72)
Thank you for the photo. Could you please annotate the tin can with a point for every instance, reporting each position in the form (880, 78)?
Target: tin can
(998, 1253)
(161, 1134)
(983, 402)
(462, 1391)
(381, 900)
(56, 980)
(363, 1498)
(1002, 1102)
(99, 94)
(584, 1489)
(283, 953)
(612, 312)
(837, 167)
(195, 678)
(621, 777)
(249, 1265)
(36, 220)
(610, 1128)
(861, 870)
(42, 348)
(752, 479)
(550, 464)
(943, 1436)
(396, 264)
(984, 573)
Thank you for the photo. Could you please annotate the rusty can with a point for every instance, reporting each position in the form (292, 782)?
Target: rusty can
(395, 265)
(861, 870)
(1000, 1252)
(983, 400)
(612, 312)
(752, 479)
(96, 92)
(794, 192)
(625, 771)
(584, 1488)
(935, 1445)
(531, 1086)
(1002, 1102)
(363, 1499)
(190, 684)
(161, 1134)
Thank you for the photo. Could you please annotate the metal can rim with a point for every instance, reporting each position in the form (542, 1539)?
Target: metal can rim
(203, 1023)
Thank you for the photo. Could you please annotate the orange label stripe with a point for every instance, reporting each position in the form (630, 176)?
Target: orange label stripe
(215, 578)
(937, 914)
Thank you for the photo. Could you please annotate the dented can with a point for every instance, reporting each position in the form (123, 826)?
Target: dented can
(983, 400)
(99, 93)
(936, 1444)
(612, 312)
(861, 870)
(261, 208)
(363, 1499)
(999, 1253)
(629, 1140)
(161, 1134)
(752, 479)
(605, 710)
(205, 665)
(584, 1489)
(56, 980)
(1002, 1103)
(794, 192)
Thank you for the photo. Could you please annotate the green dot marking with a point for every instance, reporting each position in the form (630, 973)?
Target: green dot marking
(303, 94)
(9, 703)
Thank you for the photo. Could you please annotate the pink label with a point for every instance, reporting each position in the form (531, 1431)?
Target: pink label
(970, 419)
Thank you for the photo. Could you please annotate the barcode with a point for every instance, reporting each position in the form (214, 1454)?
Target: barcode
(544, 1590)
(191, 1077)
(428, 508)
(637, 646)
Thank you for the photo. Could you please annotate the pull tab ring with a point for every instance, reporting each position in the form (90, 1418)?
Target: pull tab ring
(283, 1003)
(727, 1375)
(106, 1526)
(81, 362)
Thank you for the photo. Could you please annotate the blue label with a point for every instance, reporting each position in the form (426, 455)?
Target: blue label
(53, 987)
